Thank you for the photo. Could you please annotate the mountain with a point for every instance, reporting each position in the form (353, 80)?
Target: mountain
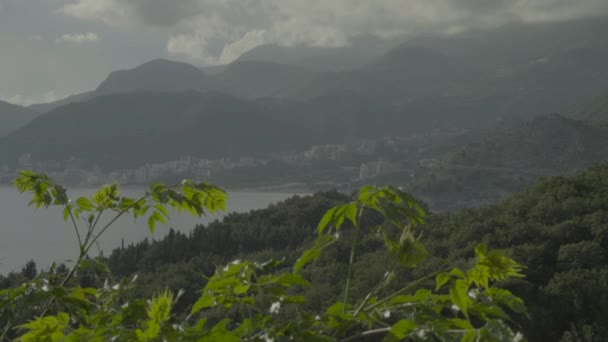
(255, 79)
(13, 117)
(545, 68)
(360, 51)
(157, 75)
(596, 110)
(507, 159)
(128, 130)
(47, 107)
(400, 78)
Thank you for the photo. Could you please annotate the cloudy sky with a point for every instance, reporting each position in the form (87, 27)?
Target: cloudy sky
(53, 48)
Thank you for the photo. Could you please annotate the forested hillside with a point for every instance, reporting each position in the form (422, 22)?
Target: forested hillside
(493, 165)
(89, 302)
(558, 228)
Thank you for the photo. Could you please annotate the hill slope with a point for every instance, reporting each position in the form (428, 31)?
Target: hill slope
(557, 228)
(126, 130)
(156, 75)
(47, 107)
(506, 160)
(253, 79)
(13, 117)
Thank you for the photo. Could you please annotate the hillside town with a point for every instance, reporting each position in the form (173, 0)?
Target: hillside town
(360, 160)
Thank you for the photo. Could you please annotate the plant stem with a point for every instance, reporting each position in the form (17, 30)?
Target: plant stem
(353, 255)
(366, 333)
(376, 289)
(75, 225)
(122, 212)
(405, 289)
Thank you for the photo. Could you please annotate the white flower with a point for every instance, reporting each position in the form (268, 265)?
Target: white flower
(518, 337)
(473, 294)
(386, 314)
(275, 307)
(421, 334)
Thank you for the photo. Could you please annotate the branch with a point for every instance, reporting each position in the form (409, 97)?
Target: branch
(75, 226)
(366, 333)
(353, 255)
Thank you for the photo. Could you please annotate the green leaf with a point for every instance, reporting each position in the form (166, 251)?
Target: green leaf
(408, 251)
(506, 298)
(459, 296)
(441, 279)
(461, 323)
(400, 330)
(84, 204)
(481, 249)
(313, 254)
(153, 219)
(337, 309)
(162, 210)
(456, 272)
(290, 279)
(159, 310)
(336, 216)
(202, 303)
(412, 254)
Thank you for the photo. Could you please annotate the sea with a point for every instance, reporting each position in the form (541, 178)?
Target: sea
(27, 233)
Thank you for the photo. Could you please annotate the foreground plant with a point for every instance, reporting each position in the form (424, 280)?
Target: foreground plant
(262, 301)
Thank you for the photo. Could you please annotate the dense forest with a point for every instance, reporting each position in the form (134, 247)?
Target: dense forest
(557, 228)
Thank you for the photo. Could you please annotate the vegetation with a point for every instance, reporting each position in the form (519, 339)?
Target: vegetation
(262, 301)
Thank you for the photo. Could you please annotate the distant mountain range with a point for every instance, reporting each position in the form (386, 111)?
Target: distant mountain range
(127, 130)
(279, 98)
(13, 117)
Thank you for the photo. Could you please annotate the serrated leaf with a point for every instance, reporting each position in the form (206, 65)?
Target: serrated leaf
(441, 279)
(400, 330)
(162, 210)
(459, 296)
(84, 204)
(290, 279)
(203, 302)
(336, 216)
(313, 254)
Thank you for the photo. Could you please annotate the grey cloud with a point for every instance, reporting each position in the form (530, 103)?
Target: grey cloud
(163, 12)
(245, 24)
(198, 26)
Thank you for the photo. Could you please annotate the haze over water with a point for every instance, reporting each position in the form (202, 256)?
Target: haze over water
(42, 235)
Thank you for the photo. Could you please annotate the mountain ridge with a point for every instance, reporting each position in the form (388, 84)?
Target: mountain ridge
(13, 116)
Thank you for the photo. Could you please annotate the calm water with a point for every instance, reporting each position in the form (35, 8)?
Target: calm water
(42, 235)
